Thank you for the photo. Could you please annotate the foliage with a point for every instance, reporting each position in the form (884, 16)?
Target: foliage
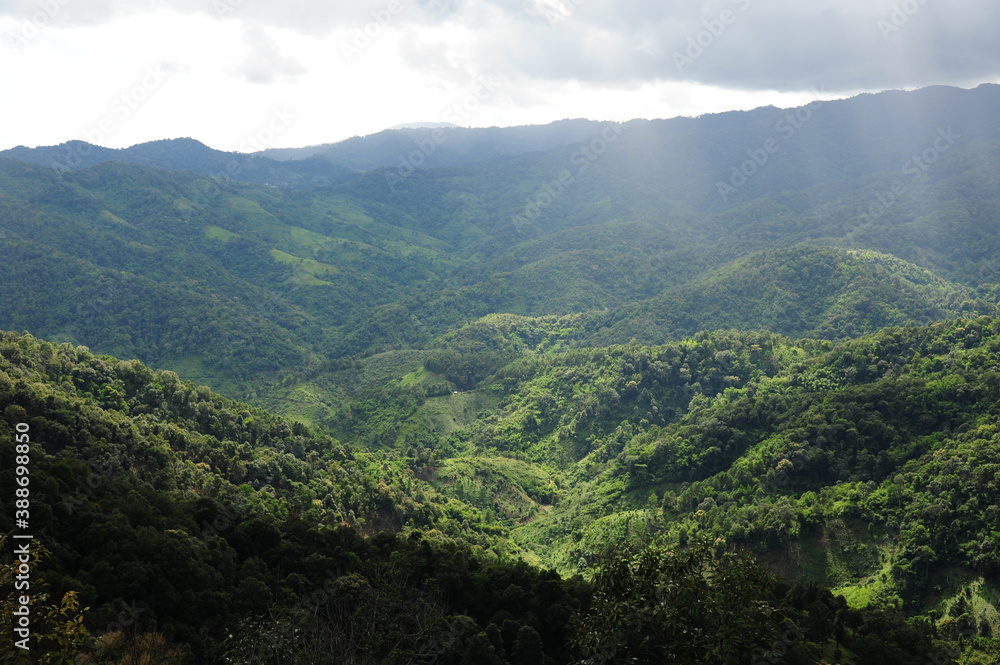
(200, 514)
(661, 606)
(58, 634)
(802, 368)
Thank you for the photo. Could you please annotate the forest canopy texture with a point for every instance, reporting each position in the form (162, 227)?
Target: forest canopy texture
(316, 411)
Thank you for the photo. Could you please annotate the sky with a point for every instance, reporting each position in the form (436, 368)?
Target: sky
(246, 74)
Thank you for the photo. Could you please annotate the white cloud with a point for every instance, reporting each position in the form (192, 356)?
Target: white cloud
(265, 61)
(353, 68)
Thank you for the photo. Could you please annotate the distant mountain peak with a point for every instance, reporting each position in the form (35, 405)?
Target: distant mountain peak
(425, 125)
(180, 140)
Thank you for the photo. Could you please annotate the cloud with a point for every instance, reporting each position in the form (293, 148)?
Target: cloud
(779, 45)
(301, 15)
(265, 62)
(749, 44)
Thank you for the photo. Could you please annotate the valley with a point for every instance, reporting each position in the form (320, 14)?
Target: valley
(460, 394)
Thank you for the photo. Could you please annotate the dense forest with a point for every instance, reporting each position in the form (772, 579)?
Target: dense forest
(535, 403)
(177, 523)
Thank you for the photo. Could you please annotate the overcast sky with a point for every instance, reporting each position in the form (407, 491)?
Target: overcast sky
(300, 72)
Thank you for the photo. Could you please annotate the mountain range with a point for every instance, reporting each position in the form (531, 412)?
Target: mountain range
(439, 356)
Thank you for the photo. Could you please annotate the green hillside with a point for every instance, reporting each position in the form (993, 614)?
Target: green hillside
(555, 398)
(804, 290)
(228, 532)
(199, 513)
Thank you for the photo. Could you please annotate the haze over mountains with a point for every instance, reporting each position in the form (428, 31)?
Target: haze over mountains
(775, 328)
(884, 130)
(624, 218)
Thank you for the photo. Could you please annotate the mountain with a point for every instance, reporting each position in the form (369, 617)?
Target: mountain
(424, 125)
(436, 144)
(801, 291)
(709, 162)
(585, 348)
(226, 532)
(443, 144)
(216, 525)
(247, 287)
(678, 164)
(863, 465)
(184, 154)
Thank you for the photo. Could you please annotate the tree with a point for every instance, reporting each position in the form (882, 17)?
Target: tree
(527, 649)
(690, 605)
(60, 635)
(117, 648)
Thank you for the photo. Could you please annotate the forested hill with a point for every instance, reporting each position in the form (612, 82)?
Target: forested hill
(215, 524)
(185, 154)
(442, 146)
(801, 291)
(661, 161)
(426, 396)
(227, 533)
(867, 465)
(228, 282)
